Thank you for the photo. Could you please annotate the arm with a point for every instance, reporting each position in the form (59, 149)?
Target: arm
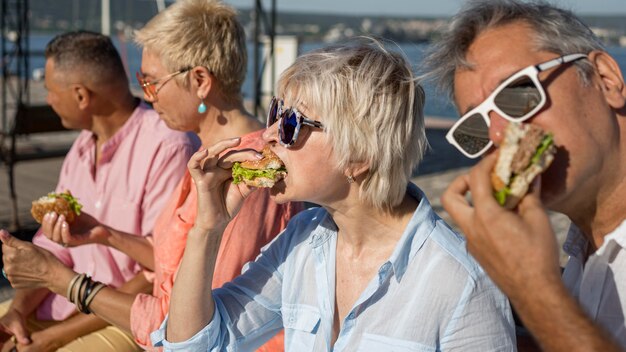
(13, 322)
(29, 266)
(86, 229)
(192, 305)
(518, 250)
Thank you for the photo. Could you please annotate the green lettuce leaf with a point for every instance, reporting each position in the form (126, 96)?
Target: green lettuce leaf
(501, 195)
(240, 173)
(74, 204)
(546, 142)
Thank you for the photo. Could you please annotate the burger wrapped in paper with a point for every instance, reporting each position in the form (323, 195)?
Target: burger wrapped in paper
(260, 173)
(61, 203)
(525, 152)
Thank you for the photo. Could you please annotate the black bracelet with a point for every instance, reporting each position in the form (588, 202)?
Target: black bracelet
(86, 294)
(81, 289)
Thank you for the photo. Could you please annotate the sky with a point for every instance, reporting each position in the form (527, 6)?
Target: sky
(419, 7)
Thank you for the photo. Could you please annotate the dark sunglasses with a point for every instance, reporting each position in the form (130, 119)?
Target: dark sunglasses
(517, 99)
(290, 122)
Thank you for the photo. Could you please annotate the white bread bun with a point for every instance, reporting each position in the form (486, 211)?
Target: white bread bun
(514, 167)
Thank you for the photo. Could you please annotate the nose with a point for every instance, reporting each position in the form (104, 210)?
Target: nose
(497, 124)
(270, 135)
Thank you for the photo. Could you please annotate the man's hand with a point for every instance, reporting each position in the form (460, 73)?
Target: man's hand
(517, 248)
(29, 266)
(13, 323)
(85, 230)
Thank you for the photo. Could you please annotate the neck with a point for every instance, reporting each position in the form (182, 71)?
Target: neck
(603, 206)
(604, 214)
(109, 119)
(223, 121)
(363, 228)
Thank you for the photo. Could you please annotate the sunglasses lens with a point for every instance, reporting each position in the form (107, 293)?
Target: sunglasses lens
(288, 127)
(520, 98)
(272, 112)
(472, 135)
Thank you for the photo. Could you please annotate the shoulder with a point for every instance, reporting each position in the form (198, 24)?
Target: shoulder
(301, 227)
(454, 246)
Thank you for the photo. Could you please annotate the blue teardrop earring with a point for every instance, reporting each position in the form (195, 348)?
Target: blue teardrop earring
(201, 107)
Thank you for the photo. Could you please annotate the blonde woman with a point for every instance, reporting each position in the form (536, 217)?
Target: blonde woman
(374, 266)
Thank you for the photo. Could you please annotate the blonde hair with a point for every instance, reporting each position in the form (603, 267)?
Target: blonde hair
(205, 33)
(373, 112)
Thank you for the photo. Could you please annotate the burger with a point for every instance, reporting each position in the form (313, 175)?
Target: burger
(61, 203)
(260, 173)
(525, 152)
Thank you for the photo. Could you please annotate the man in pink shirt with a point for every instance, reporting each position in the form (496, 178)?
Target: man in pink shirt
(122, 167)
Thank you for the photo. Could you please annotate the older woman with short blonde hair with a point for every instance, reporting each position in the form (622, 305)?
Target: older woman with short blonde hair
(373, 266)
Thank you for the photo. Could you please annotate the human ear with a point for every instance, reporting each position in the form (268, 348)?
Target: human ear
(611, 78)
(202, 79)
(357, 169)
(81, 95)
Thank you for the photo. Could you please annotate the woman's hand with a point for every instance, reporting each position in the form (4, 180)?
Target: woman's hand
(516, 248)
(29, 266)
(42, 341)
(85, 230)
(218, 199)
(13, 323)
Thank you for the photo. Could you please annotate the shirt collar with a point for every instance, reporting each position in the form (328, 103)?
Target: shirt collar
(415, 234)
(576, 243)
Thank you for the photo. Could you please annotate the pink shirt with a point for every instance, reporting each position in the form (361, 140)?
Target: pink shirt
(259, 220)
(139, 167)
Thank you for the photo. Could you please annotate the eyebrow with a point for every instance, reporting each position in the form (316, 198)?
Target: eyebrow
(472, 107)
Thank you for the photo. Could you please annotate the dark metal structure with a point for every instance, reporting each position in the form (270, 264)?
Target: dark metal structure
(264, 26)
(20, 118)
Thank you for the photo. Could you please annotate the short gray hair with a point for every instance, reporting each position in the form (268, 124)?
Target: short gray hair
(373, 111)
(556, 30)
(200, 33)
(91, 54)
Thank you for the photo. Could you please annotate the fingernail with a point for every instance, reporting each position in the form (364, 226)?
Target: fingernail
(61, 218)
(259, 156)
(64, 225)
(236, 139)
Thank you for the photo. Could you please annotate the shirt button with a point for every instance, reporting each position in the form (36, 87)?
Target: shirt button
(98, 204)
(351, 316)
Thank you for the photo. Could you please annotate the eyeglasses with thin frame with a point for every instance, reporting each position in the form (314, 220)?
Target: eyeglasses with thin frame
(290, 122)
(149, 87)
(516, 99)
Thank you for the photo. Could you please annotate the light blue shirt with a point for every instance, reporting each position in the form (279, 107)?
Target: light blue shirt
(429, 296)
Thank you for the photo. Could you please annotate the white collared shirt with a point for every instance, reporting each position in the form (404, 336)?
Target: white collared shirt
(599, 284)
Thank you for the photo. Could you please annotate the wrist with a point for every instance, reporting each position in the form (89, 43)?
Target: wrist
(60, 279)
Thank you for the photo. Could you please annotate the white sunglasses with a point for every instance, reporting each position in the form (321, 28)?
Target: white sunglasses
(517, 99)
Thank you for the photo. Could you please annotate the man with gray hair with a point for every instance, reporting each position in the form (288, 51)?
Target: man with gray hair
(550, 63)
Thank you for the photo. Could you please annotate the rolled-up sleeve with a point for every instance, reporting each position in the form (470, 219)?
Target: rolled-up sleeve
(247, 310)
(198, 342)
